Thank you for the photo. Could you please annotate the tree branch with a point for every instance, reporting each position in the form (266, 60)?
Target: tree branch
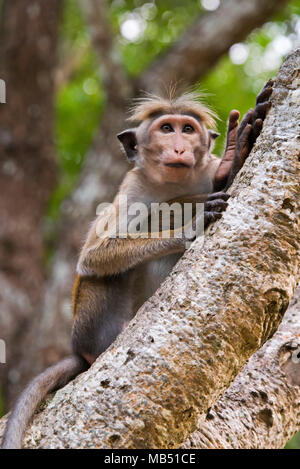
(225, 298)
(204, 43)
(261, 409)
(116, 83)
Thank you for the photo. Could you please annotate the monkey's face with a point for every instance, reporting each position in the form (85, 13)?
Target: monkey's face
(173, 148)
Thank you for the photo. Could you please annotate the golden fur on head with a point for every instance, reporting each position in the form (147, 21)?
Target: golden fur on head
(150, 105)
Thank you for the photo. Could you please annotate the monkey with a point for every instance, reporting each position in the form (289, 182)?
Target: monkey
(171, 152)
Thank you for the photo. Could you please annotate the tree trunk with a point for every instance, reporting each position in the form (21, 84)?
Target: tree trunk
(261, 409)
(28, 39)
(105, 165)
(223, 300)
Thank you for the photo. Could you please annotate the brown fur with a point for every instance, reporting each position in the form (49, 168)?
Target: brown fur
(188, 103)
(109, 267)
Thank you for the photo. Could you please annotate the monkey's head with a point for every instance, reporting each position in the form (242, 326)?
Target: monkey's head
(172, 142)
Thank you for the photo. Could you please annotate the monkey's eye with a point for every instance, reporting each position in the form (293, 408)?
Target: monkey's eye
(188, 129)
(166, 128)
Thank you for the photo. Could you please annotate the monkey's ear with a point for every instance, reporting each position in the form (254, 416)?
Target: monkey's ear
(213, 135)
(129, 142)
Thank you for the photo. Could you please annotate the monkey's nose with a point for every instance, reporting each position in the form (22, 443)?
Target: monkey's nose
(179, 151)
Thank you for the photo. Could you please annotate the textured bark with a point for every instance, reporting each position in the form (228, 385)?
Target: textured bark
(105, 165)
(261, 409)
(209, 39)
(28, 38)
(222, 301)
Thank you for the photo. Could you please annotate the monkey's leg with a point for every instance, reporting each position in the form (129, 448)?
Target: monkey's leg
(102, 309)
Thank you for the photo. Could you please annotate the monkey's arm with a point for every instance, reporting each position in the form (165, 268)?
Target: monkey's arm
(240, 139)
(105, 254)
(113, 256)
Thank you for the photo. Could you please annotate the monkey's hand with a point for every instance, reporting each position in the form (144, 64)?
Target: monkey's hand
(214, 206)
(241, 139)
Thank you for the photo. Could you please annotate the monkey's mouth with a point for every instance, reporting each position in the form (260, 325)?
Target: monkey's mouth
(177, 165)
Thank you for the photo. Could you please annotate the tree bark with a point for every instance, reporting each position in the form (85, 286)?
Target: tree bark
(28, 38)
(105, 165)
(261, 409)
(222, 301)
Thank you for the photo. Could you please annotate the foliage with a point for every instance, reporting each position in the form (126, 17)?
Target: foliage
(79, 103)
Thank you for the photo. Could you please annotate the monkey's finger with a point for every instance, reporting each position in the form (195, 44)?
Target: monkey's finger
(261, 110)
(247, 119)
(217, 205)
(264, 95)
(233, 119)
(232, 129)
(210, 217)
(218, 195)
(266, 91)
(257, 127)
(244, 146)
(244, 137)
(269, 83)
(216, 215)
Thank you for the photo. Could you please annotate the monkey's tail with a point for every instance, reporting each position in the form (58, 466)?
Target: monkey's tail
(52, 378)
